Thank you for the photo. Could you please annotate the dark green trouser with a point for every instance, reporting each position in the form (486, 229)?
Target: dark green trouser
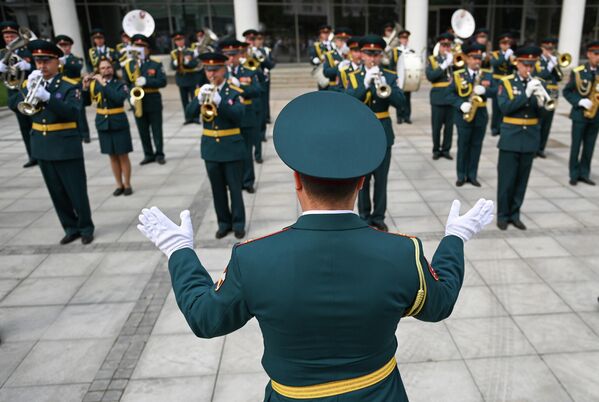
(496, 117)
(67, 184)
(407, 112)
(186, 94)
(82, 125)
(513, 170)
(584, 134)
(229, 175)
(267, 98)
(249, 138)
(154, 120)
(376, 214)
(442, 116)
(546, 120)
(470, 144)
(25, 128)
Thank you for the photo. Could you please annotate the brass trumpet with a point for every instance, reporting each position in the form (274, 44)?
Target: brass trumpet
(208, 108)
(563, 61)
(543, 98)
(382, 90)
(459, 59)
(30, 105)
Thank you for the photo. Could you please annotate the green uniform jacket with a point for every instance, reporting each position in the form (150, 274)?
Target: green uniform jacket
(328, 293)
(25, 54)
(330, 70)
(501, 65)
(437, 76)
(317, 49)
(513, 103)
(460, 91)
(121, 49)
(111, 96)
(95, 54)
(229, 115)
(251, 92)
(63, 107)
(551, 77)
(580, 86)
(188, 77)
(269, 62)
(155, 79)
(357, 89)
(72, 67)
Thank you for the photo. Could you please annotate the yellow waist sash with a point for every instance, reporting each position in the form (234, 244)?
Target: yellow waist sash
(151, 90)
(520, 121)
(106, 111)
(441, 84)
(221, 133)
(382, 115)
(44, 128)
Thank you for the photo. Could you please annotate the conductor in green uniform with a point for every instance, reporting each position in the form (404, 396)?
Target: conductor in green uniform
(518, 98)
(55, 140)
(222, 148)
(582, 92)
(327, 291)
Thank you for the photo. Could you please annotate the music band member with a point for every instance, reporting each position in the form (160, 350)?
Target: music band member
(439, 73)
(377, 87)
(352, 63)
(481, 37)
(110, 95)
(267, 65)
(186, 70)
(469, 91)
(148, 74)
(319, 48)
(403, 48)
(582, 92)
(100, 50)
(502, 64)
(333, 57)
(55, 140)
(122, 47)
(222, 147)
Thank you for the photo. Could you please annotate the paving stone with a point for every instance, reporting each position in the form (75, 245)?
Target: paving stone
(577, 373)
(170, 389)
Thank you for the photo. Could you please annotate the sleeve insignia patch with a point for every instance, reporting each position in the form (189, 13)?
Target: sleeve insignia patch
(220, 282)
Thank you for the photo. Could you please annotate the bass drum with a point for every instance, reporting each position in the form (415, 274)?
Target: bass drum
(318, 75)
(409, 72)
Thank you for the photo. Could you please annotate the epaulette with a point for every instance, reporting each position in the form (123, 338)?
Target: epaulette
(393, 233)
(579, 68)
(243, 243)
(495, 54)
(69, 80)
(433, 62)
(236, 88)
(390, 71)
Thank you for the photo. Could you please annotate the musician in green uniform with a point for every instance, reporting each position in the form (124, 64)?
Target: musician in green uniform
(100, 50)
(267, 65)
(377, 88)
(519, 97)
(71, 66)
(582, 92)
(122, 47)
(502, 65)
(55, 140)
(318, 49)
(186, 70)
(10, 33)
(110, 95)
(439, 72)
(469, 90)
(352, 63)
(328, 291)
(222, 148)
(481, 37)
(333, 57)
(404, 48)
(148, 74)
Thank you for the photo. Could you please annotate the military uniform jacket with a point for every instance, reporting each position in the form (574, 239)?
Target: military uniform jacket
(72, 67)
(379, 106)
(155, 79)
(229, 114)
(328, 293)
(551, 77)
(343, 77)
(121, 49)
(251, 90)
(582, 79)
(441, 79)
(501, 66)
(512, 100)
(110, 97)
(461, 89)
(185, 76)
(268, 62)
(96, 53)
(318, 49)
(329, 69)
(63, 107)
(25, 54)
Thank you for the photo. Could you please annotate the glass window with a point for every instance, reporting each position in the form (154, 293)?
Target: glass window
(279, 24)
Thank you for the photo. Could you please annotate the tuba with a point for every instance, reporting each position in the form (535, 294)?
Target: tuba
(29, 106)
(13, 77)
(463, 24)
(205, 45)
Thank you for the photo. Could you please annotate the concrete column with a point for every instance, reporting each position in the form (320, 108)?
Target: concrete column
(417, 24)
(65, 22)
(570, 28)
(246, 16)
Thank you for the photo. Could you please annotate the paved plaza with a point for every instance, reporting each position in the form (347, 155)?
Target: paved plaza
(100, 323)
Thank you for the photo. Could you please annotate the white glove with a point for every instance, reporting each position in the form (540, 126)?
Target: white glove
(316, 60)
(508, 53)
(175, 63)
(344, 64)
(234, 81)
(448, 61)
(42, 94)
(216, 98)
(466, 107)
(553, 60)
(23, 65)
(62, 60)
(471, 222)
(131, 101)
(531, 87)
(164, 233)
(140, 81)
(479, 89)
(204, 89)
(550, 65)
(32, 78)
(3, 67)
(585, 103)
(370, 74)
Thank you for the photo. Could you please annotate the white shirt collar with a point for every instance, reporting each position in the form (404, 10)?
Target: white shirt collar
(222, 85)
(472, 72)
(327, 212)
(355, 66)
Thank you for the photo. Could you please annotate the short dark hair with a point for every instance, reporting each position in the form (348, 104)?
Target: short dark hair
(329, 189)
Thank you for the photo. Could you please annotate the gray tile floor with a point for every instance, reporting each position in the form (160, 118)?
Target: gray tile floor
(98, 323)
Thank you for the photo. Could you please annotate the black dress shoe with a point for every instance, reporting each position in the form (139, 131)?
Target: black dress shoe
(147, 160)
(446, 155)
(541, 154)
(436, 156)
(250, 189)
(587, 181)
(502, 225)
(381, 226)
(128, 191)
(240, 234)
(220, 233)
(187, 122)
(86, 239)
(495, 133)
(87, 140)
(474, 182)
(408, 121)
(160, 160)
(30, 163)
(460, 183)
(118, 191)
(518, 223)
(70, 238)
(573, 182)
(399, 121)
(259, 161)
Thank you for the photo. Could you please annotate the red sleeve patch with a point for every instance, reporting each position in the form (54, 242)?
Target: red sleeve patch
(432, 271)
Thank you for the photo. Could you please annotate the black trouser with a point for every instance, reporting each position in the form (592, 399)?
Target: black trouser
(249, 138)
(67, 183)
(496, 117)
(583, 134)
(186, 94)
(470, 144)
(223, 176)
(442, 117)
(25, 128)
(376, 214)
(513, 170)
(546, 120)
(154, 120)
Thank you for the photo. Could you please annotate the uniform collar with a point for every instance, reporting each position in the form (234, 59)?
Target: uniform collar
(329, 221)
